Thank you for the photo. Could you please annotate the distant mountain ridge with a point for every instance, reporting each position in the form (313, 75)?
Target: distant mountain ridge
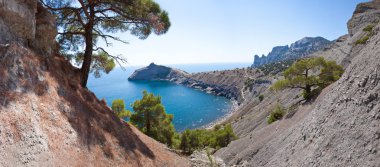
(298, 49)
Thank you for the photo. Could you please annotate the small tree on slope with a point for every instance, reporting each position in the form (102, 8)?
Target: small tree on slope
(150, 117)
(311, 75)
(118, 106)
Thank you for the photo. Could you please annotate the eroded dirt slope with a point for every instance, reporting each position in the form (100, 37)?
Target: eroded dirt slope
(47, 119)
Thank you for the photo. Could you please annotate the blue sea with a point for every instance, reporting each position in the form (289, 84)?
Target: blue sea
(191, 108)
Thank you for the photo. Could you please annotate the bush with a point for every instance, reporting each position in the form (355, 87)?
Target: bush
(369, 28)
(118, 106)
(261, 98)
(276, 114)
(369, 33)
(192, 140)
(362, 40)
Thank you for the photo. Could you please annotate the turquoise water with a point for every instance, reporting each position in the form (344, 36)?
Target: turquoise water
(191, 108)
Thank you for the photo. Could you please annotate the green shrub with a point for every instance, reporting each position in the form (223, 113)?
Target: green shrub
(362, 40)
(369, 33)
(118, 106)
(261, 98)
(369, 28)
(218, 137)
(276, 114)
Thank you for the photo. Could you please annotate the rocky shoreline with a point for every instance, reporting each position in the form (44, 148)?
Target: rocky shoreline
(235, 106)
(208, 88)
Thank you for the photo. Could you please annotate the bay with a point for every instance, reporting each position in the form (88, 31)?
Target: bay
(191, 108)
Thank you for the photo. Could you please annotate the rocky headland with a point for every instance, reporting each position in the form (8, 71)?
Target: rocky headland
(158, 72)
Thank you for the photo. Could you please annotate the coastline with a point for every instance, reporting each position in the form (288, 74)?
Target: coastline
(208, 82)
(235, 106)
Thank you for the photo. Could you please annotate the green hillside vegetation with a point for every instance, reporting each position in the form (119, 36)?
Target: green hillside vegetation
(150, 117)
(311, 75)
(191, 140)
(277, 67)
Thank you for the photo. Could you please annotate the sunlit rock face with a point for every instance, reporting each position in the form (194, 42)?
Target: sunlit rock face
(299, 49)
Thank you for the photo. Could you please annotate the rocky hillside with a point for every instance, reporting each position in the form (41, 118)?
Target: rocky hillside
(340, 128)
(299, 49)
(47, 118)
(236, 84)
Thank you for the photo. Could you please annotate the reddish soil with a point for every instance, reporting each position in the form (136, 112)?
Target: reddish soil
(48, 119)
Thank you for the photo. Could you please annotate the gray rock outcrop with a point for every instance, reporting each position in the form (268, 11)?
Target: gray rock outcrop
(299, 49)
(365, 13)
(29, 24)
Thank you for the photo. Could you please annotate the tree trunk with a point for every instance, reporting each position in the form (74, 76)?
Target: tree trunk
(308, 89)
(147, 123)
(85, 70)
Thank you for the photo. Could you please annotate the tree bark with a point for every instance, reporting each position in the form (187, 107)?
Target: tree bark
(85, 70)
(87, 59)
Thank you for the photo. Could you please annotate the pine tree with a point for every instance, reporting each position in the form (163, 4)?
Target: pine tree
(308, 75)
(83, 22)
(150, 117)
(118, 106)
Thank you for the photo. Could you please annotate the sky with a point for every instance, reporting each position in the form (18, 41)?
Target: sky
(231, 31)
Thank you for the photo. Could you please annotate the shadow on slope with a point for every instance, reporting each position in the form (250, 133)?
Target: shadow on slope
(22, 73)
